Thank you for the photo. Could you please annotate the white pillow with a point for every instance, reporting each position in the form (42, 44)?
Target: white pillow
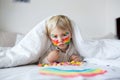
(108, 36)
(7, 39)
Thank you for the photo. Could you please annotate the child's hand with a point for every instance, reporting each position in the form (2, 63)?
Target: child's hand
(75, 58)
(53, 56)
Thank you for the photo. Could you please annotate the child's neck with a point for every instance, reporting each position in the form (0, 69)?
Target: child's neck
(63, 50)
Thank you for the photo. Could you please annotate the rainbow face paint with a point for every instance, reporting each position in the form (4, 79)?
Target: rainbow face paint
(65, 37)
(55, 42)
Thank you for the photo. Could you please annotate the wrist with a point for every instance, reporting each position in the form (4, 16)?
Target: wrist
(49, 60)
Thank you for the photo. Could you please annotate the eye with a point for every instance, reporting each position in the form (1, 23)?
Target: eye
(53, 36)
(64, 34)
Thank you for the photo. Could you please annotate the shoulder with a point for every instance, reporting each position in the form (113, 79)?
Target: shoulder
(72, 48)
(51, 47)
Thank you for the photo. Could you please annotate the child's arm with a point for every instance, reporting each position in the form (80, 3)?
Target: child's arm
(52, 56)
(75, 57)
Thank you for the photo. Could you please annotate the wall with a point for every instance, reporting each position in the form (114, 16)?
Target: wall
(91, 15)
(112, 12)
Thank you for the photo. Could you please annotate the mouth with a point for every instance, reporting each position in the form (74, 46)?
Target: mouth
(61, 45)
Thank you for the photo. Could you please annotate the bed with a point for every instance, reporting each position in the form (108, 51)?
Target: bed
(98, 68)
(32, 71)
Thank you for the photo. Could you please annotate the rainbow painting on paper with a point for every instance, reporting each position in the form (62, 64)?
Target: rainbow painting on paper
(72, 73)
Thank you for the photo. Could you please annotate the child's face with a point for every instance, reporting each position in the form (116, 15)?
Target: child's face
(60, 38)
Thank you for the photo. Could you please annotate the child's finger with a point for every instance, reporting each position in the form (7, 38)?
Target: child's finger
(74, 57)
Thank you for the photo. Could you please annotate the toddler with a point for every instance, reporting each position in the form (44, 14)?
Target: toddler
(59, 31)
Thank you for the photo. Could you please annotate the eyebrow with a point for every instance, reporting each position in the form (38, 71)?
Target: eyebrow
(66, 33)
(56, 34)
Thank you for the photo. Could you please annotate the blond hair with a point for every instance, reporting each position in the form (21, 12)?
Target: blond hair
(59, 21)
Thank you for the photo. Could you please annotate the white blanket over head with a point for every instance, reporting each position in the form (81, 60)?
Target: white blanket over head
(31, 47)
(35, 43)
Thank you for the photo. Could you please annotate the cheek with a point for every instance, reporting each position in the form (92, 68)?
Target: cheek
(66, 40)
(54, 41)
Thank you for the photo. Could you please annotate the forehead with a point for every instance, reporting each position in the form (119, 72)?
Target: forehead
(58, 31)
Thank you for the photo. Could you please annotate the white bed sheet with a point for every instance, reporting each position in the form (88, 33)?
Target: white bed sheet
(32, 72)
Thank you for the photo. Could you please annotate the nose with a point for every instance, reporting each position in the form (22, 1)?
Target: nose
(60, 39)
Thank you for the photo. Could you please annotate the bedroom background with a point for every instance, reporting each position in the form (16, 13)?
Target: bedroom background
(96, 18)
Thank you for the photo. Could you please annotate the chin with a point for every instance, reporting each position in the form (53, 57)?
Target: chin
(62, 47)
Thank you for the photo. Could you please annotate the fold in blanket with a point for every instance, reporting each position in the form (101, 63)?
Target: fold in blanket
(35, 43)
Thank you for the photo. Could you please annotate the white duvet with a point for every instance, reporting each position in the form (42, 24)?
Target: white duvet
(35, 43)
